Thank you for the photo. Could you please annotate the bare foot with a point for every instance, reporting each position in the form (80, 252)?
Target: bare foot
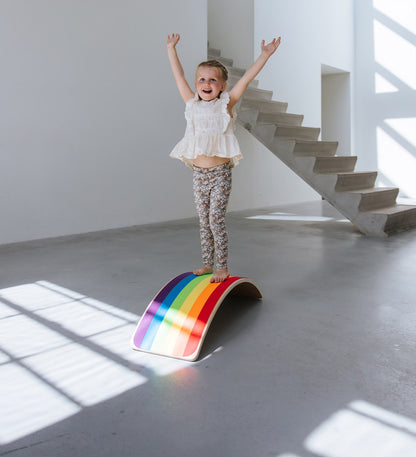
(206, 269)
(220, 275)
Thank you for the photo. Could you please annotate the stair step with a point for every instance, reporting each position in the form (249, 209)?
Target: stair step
(214, 52)
(233, 79)
(399, 218)
(269, 106)
(315, 148)
(335, 164)
(236, 71)
(248, 118)
(227, 62)
(281, 118)
(264, 132)
(294, 133)
(376, 197)
(253, 93)
(355, 180)
(386, 221)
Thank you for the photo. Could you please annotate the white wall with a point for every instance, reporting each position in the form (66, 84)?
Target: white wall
(313, 33)
(89, 113)
(231, 28)
(336, 110)
(385, 98)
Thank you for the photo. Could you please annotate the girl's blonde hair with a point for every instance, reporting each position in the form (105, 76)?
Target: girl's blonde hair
(215, 64)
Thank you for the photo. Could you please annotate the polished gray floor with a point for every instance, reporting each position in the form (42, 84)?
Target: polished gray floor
(323, 366)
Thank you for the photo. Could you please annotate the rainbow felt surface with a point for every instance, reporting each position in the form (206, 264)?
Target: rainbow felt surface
(177, 319)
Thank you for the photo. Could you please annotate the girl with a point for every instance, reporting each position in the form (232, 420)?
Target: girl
(210, 147)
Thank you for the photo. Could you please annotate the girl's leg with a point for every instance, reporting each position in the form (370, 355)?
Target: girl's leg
(201, 187)
(220, 195)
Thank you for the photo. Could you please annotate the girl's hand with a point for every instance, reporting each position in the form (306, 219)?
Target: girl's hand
(268, 49)
(172, 40)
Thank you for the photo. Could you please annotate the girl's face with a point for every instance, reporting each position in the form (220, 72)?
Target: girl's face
(209, 83)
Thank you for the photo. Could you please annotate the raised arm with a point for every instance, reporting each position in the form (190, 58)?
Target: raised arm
(177, 70)
(266, 51)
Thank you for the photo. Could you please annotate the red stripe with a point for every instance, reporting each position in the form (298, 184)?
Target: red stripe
(201, 322)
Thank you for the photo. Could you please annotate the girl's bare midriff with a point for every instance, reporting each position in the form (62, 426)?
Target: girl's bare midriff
(209, 162)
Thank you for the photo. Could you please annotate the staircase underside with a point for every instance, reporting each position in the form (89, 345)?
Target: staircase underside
(373, 210)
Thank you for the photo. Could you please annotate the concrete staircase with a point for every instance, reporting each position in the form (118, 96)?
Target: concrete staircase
(373, 210)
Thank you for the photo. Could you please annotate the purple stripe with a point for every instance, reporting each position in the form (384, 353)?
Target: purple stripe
(154, 307)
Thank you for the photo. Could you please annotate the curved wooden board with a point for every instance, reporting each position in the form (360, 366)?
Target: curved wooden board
(178, 318)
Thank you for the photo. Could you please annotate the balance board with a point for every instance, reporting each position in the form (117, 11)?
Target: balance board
(177, 319)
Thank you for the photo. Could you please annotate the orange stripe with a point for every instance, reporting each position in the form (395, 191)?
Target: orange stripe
(189, 323)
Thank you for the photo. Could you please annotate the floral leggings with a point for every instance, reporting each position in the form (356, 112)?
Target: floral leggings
(212, 187)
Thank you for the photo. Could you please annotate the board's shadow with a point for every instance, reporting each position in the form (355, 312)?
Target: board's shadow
(233, 317)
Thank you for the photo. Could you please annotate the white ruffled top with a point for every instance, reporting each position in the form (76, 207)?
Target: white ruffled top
(209, 131)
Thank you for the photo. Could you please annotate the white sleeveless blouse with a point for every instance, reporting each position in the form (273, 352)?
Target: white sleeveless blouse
(209, 131)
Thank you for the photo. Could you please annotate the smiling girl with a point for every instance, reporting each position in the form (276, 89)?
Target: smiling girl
(210, 147)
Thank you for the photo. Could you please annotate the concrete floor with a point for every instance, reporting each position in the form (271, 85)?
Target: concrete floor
(323, 366)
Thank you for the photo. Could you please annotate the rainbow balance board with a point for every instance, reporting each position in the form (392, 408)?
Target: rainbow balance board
(177, 319)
